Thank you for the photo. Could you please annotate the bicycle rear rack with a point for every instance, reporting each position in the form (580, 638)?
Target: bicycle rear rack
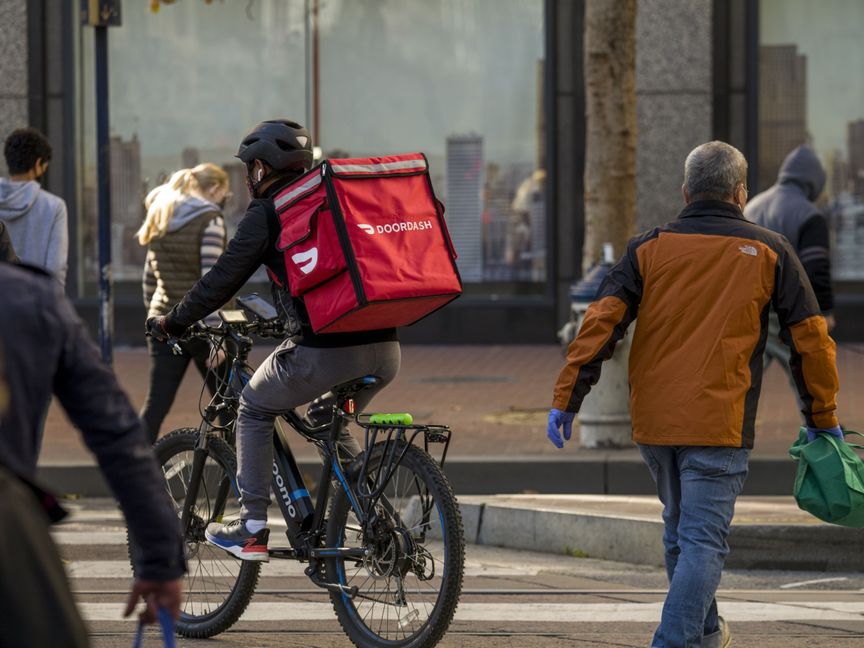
(396, 440)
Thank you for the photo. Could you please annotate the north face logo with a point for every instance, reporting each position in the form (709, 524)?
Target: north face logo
(748, 249)
(306, 261)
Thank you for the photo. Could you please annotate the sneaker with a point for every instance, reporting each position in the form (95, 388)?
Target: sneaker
(721, 638)
(237, 540)
(725, 634)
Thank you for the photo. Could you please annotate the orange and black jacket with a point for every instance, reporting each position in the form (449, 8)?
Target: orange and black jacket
(702, 287)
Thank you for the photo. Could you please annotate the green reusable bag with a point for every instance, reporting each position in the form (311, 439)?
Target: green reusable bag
(830, 479)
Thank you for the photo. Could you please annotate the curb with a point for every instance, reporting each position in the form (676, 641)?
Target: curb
(794, 547)
(603, 475)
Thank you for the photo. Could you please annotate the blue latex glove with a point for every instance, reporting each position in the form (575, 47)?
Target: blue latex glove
(559, 419)
(812, 433)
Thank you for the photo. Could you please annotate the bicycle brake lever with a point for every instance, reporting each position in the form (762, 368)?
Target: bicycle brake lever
(175, 346)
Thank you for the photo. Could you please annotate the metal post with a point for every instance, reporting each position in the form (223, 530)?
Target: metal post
(103, 171)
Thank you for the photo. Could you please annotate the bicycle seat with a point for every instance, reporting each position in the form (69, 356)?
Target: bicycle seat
(348, 389)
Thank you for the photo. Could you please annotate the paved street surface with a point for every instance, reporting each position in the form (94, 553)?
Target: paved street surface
(511, 599)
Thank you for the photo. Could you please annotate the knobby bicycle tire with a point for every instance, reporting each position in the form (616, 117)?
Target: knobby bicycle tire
(429, 476)
(227, 613)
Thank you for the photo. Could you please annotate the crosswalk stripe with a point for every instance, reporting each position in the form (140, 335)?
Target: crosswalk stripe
(274, 568)
(542, 612)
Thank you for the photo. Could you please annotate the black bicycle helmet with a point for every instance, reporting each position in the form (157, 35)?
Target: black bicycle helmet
(281, 143)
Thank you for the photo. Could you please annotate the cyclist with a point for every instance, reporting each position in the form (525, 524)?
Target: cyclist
(305, 364)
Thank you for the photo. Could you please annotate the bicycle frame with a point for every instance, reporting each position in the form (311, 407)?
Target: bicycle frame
(305, 522)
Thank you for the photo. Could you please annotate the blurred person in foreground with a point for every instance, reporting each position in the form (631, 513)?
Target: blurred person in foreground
(701, 286)
(45, 351)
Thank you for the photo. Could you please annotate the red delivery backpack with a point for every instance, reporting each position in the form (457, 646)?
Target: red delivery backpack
(365, 243)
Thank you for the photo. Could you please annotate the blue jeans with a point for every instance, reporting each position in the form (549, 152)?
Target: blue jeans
(698, 487)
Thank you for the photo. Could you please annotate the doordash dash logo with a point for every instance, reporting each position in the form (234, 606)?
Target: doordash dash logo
(398, 227)
(306, 261)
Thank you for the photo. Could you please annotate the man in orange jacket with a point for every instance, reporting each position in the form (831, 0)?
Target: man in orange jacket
(702, 287)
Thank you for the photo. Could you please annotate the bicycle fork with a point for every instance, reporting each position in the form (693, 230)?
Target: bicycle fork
(199, 460)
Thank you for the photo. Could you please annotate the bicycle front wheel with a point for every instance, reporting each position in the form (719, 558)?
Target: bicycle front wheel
(409, 584)
(217, 586)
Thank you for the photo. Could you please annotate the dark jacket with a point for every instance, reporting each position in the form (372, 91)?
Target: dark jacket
(701, 287)
(7, 252)
(787, 208)
(46, 351)
(255, 244)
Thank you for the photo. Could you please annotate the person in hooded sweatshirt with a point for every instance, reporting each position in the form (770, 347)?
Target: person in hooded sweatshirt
(788, 208)
(35, 220)
(185, 234)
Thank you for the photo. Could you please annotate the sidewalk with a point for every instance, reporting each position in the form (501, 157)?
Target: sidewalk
(767, 532)
(495, 398)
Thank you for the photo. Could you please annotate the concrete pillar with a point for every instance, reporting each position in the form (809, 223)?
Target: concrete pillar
(604, 418)
(674, 89)
(13, 69)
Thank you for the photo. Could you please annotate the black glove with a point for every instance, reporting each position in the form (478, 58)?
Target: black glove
(155, 327)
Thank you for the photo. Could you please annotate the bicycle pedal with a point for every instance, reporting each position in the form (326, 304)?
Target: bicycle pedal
(284, 554)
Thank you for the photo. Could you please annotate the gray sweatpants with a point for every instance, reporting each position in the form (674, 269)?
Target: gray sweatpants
(292, 376)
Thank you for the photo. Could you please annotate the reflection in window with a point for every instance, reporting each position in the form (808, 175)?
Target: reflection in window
(186, 84)
(811, 93)
(461, 81)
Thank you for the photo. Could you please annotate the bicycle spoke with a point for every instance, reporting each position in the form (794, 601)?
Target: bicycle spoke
(399, 586)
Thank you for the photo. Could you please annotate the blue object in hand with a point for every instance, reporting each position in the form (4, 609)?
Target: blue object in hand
(836, 431)
(557, 421)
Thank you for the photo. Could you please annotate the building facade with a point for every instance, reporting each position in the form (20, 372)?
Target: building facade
(490, 90)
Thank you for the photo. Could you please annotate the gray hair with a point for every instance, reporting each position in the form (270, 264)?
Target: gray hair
(713, 170)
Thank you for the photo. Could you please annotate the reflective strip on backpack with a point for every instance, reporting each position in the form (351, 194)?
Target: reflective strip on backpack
(383, 167)
(282, 199)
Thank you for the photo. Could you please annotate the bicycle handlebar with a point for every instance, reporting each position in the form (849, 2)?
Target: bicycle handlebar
(263, 328)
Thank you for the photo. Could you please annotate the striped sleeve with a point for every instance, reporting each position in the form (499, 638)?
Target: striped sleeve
(149, 280)
(212, 247)
(212, 244)
(604, 324)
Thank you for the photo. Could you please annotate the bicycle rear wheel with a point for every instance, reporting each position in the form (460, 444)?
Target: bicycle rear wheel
(217, 587)
(410, 583)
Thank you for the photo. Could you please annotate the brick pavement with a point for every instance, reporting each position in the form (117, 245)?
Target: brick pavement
(494, 397)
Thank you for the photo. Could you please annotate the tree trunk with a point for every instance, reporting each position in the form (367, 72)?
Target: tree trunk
(610, 107)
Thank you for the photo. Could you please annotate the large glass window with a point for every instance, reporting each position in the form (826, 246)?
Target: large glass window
(811, 54)
(186, 83)
(460, 80)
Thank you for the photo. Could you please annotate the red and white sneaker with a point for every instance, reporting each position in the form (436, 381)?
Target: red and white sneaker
(236, 539)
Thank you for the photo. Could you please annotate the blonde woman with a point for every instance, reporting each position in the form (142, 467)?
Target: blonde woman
(185, 234)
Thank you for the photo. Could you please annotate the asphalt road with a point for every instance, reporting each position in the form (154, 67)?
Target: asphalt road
(510, 599)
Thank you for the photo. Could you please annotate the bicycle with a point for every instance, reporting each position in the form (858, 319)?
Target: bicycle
(385, 540)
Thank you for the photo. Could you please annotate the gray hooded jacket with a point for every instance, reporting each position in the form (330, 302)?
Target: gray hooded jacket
(787, 208)
(37, 224)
